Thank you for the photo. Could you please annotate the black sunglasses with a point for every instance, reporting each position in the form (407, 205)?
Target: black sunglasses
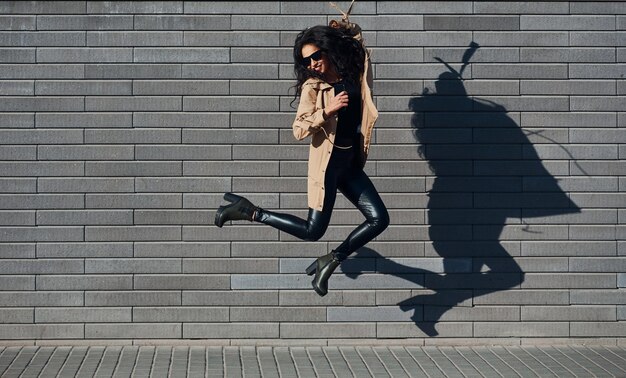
(315, 56)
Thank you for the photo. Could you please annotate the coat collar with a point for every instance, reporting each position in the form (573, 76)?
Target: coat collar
(317, 82)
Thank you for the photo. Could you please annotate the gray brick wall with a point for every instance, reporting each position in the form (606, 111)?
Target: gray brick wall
(122, 123)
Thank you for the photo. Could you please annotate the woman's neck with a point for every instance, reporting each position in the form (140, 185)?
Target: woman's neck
(332, 77)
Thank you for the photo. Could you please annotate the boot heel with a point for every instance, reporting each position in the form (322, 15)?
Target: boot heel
(312, 268)
(326, 265)
(231, 197)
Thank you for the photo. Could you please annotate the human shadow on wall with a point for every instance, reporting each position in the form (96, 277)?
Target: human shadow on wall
(485, 172)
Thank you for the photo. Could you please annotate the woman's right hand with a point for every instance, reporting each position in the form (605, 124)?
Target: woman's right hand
(336, 103)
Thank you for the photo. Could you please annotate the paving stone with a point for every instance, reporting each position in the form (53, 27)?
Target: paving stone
(311, 361)
(55, 362)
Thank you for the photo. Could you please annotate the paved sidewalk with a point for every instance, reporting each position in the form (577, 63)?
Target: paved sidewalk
(341, 361)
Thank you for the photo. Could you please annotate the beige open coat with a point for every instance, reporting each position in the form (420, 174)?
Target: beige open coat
(310, 122)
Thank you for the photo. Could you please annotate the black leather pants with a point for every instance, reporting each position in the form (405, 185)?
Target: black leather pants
(343, 173)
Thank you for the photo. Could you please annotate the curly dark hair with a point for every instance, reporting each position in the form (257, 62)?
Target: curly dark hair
(345, 53)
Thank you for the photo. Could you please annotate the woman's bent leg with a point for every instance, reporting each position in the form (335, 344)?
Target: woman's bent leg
(358, 188)
(310, 229)
(316, 223)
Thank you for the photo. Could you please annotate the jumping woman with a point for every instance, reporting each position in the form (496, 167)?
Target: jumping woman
(333, 73)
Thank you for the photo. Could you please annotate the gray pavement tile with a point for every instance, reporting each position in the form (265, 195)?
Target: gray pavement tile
(376, 368)
(161, 363)
(608, 359)
(91, 362)
(553, 365)
(477, 362)
(389, 361)
(267, 362)
(55, 362)
(126, 361)
(535, 364)
(197, 362)
(319, 361)
(232, 362)
(12, 373)
(354, 361)
(496, 362)
(586, 360)
(73, 362)
(520, 368)
(20, 362)
(425, 362)
(442, 362)
(586, 364)
(145, 357)
(515, 364)
(249, 361)
(460, 362)
(618, 351)
(337, 362)
(7, 357)
(215, 361)
(410, 366)
(179, 361)
(302, 362)
(284, 362)
(572, 365)
(38, 362)
(140, 373)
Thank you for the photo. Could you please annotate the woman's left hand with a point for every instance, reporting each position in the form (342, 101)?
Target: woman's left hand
(336, 103)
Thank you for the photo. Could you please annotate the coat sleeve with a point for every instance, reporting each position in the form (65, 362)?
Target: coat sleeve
(309, 120)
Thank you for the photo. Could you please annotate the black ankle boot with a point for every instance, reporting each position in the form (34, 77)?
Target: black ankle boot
(323, 268)
(239, 209)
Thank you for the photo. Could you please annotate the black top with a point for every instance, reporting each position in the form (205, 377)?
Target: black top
(349, 118)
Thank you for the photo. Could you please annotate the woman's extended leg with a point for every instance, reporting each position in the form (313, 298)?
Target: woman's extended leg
(358, 188)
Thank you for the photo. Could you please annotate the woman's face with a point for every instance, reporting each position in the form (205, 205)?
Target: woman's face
(321, 65)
